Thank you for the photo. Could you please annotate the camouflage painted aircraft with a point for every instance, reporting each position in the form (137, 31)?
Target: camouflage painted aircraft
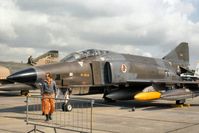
(7, 68)
(119, 76)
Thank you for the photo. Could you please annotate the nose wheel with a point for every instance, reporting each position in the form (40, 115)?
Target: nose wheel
(67, 107)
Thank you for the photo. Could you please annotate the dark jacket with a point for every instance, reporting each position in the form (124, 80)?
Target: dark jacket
(48, 89)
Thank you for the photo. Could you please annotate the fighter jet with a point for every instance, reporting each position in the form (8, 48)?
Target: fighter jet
(192, 75)
(7, 68)
(196, 74)
(119, 76)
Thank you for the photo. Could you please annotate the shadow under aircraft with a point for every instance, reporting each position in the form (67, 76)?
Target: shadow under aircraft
(119, 76)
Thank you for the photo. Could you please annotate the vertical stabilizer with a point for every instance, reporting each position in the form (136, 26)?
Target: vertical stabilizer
(196, 74)
(179, 57)
(47, 58)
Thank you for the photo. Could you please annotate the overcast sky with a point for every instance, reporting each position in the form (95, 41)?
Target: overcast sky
(141, 27)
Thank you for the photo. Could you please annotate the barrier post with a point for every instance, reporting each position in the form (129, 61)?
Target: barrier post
(80, 119)
(27, 109)
(92, 103)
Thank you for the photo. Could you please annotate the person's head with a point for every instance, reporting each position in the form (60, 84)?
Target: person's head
(48, 76)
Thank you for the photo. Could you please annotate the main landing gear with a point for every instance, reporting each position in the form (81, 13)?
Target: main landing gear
(181, 103)
(178, 102)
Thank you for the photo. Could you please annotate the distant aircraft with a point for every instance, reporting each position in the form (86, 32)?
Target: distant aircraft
(196, 74)
(119, 76)
(191, 75)
(7, 68)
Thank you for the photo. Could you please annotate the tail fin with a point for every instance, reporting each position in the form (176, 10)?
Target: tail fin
(47, 58)
(179, 57)
(196, 74)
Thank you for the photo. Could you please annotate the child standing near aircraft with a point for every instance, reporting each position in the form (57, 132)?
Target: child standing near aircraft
(49, 90)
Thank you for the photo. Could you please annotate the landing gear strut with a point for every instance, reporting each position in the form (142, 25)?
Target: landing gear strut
(24, 92)
(66, 106)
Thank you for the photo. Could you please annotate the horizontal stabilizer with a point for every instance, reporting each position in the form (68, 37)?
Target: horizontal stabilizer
(49, 57)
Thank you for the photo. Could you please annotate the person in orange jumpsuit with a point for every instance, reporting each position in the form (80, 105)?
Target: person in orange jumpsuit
(48, 91)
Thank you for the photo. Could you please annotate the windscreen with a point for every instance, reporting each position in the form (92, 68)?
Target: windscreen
(83, 54)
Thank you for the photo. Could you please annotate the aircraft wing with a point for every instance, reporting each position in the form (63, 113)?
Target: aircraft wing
(163, 82)
(16, 87)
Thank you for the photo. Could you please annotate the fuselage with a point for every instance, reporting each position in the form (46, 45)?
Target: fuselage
(105, 69)
(8, 68)
(118, 76)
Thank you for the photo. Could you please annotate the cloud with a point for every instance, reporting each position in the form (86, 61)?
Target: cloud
(7, 17)
(141, 27)
(15, 53)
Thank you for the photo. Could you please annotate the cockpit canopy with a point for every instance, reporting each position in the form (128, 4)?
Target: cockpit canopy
(83, 54)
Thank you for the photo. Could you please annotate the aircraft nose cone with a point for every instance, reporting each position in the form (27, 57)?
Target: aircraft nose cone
(24, 76)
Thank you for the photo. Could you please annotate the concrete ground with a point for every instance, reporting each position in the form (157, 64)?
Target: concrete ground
(148, 117)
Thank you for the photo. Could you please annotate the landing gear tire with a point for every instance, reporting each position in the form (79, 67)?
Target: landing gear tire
(24, 92)
(67, 107)
(179, 102)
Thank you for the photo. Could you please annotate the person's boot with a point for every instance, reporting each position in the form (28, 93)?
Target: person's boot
(47, 118)
(50, 117)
